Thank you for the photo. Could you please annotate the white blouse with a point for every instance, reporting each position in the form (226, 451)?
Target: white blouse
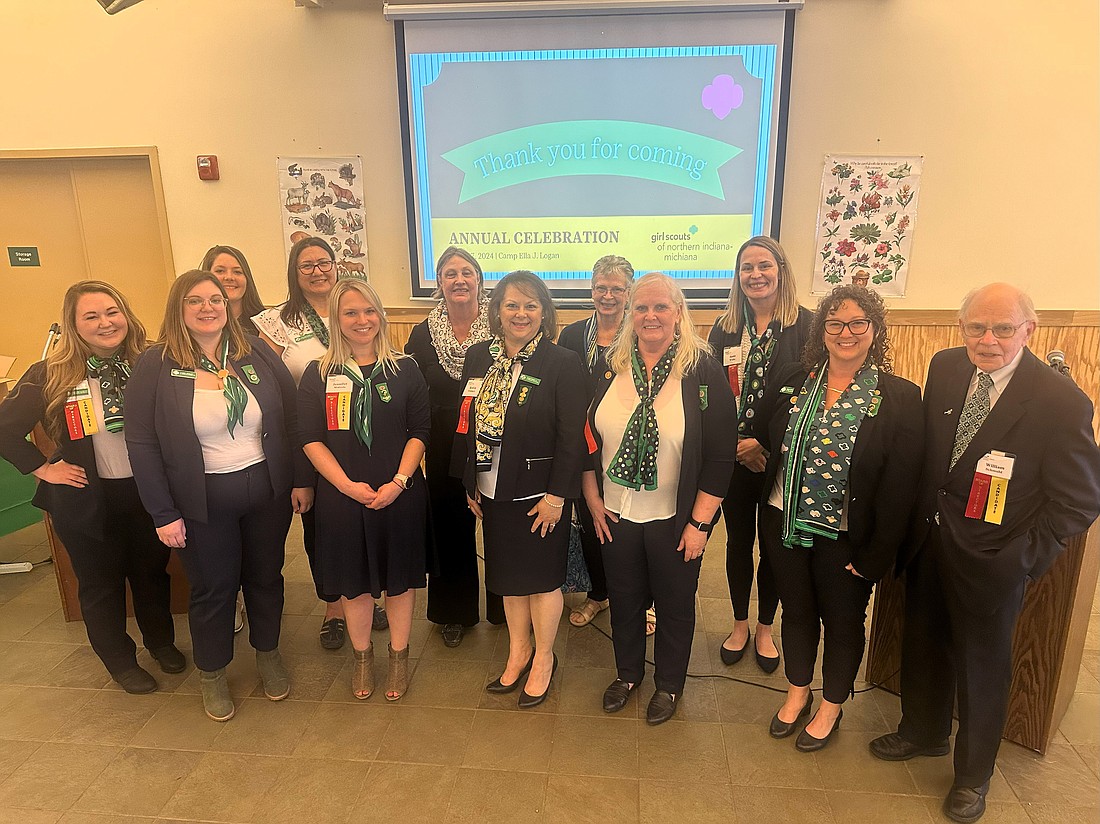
(300, 345)
(222, 453)
(111, 458)
(611, 418)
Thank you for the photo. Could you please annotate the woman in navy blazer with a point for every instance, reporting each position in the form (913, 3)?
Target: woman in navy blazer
(87, 485)
(520, 454)
(830, 524)
(212, 432)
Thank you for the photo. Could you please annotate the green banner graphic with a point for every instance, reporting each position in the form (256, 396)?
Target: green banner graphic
(592, 147)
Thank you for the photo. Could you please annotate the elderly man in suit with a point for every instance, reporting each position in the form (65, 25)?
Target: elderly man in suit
(1011, 471)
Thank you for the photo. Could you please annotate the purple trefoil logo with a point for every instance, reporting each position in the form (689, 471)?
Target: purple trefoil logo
(722, 96)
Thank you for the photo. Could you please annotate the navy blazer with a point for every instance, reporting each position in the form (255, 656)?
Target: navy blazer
(885, 464)
(542, 449)
(1043, 419)
(83, 509)
(165, 452)
(788, 346)
(710, 435)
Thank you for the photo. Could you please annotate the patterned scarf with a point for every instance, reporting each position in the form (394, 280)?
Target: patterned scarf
(112, 375)
(361, 418)
(635, 463)
(491, 404)
(236, 399)
(451, 353)
(320, 331)
(591, 348)
(818, 454)
(761, 348)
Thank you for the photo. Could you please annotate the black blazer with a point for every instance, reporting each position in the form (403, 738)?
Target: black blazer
(710, 443)
(543, 445)
(885, 464)
(788, 347)
(165, 452)
(1043, 419)
(82, 509)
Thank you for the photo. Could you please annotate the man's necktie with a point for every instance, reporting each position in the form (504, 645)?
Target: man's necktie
(974, 413)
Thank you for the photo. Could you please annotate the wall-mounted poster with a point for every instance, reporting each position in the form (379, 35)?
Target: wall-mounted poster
(323, 197)
(865, 222)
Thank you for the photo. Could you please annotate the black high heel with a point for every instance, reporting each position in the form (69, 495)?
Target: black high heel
(498, 688)
(781, 729)
(526, 700)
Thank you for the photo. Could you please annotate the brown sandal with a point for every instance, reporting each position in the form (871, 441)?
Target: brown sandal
(362, 675)
(583, 615)
(397, 682)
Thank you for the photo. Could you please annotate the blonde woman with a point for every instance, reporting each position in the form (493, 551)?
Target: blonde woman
(87, 485)
(365, 421)
(213, 439)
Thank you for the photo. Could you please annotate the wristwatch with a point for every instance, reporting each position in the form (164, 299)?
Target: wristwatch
(705, 528)
(402, 481)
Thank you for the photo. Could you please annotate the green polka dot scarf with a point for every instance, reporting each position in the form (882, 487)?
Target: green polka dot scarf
(112, 375)
(761, 348)
(818, 454)
(635, 463)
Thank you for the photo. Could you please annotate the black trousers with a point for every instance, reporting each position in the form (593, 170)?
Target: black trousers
(593, 552)
(818, 591)
(454, 592)
(240, 547)
(741, 508)
(130, 552)
(949, 650)
(643, 568)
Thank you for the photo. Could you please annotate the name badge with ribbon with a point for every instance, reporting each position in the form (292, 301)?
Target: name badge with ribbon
(732, 357)
(338, 402)
(989, 490)
(80, 413)
(469, 392)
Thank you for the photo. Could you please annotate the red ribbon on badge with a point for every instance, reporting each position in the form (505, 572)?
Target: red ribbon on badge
(588, 436)
(979, 492)
(735, 384)
(464, 416)
(73, 421)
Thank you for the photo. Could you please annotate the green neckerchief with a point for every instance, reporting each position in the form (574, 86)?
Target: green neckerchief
(112, 375)
(362, 410)
(320, 331)
(759, 357)
(491, 404)
(818, 454)
(236, 399)
(635, 463)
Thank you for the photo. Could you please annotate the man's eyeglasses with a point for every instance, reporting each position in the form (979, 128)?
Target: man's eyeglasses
(1000, 330)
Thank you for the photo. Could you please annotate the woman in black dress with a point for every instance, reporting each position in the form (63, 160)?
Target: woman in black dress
(522, 418)
(439, 345)
(364, 417)
(763, 329)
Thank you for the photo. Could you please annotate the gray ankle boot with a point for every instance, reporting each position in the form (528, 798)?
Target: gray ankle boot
(273, 674)
(215, 695)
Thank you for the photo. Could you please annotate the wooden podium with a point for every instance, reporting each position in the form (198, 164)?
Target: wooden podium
(1046, 650)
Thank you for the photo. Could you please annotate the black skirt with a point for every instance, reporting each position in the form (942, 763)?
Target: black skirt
(518, 561)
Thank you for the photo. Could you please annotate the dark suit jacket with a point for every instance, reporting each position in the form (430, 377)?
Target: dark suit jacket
(788, 348)
(885, 464)
(1046, 422)
(542, 449)
(710, 435)
(84, 509)
(165, 452)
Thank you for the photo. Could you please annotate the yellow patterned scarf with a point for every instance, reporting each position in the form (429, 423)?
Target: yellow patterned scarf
(491, 404)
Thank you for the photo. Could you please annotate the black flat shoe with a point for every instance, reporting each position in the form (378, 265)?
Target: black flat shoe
(333, 632)
(965, 804)
(452, 635)
(807, 743)
(732, 656)
(616, 696)
(381, 620)
(781, 729)
(768, 665)
(526, 700)
(135, 681)
(499, 688)
(662, 706)
(169, 658)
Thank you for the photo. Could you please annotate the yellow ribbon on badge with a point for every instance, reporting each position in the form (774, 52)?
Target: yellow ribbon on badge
(338, 410)
(87, 416)
(995, 504)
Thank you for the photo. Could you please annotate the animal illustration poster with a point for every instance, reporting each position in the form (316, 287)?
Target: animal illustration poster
(865, 222)
(323, 197)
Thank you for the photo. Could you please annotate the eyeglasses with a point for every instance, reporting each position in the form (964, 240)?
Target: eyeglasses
(617, 291)
(216, 302)
(324, 265)
(1000, 330)
(856, 327)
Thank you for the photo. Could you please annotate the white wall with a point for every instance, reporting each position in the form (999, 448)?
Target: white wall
(1002, 99)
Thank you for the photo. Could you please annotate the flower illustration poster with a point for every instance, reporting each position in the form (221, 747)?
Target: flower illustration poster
(865, 222)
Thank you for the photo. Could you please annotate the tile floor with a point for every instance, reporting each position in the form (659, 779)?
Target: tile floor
(75, 748)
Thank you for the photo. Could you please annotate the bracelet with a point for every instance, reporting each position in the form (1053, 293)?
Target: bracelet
(551, 503)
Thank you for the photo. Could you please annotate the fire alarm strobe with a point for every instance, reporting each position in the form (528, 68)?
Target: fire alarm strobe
(208, 167)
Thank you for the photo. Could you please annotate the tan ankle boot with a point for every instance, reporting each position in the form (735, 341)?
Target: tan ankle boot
(362, 674)
(397, 682)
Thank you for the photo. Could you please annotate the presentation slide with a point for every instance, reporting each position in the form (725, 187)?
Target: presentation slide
(548, 160)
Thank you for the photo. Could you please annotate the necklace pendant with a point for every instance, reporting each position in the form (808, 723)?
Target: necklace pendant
(222, 374)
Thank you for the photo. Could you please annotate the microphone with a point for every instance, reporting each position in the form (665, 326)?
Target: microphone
(51, 339)
(1056, 360)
